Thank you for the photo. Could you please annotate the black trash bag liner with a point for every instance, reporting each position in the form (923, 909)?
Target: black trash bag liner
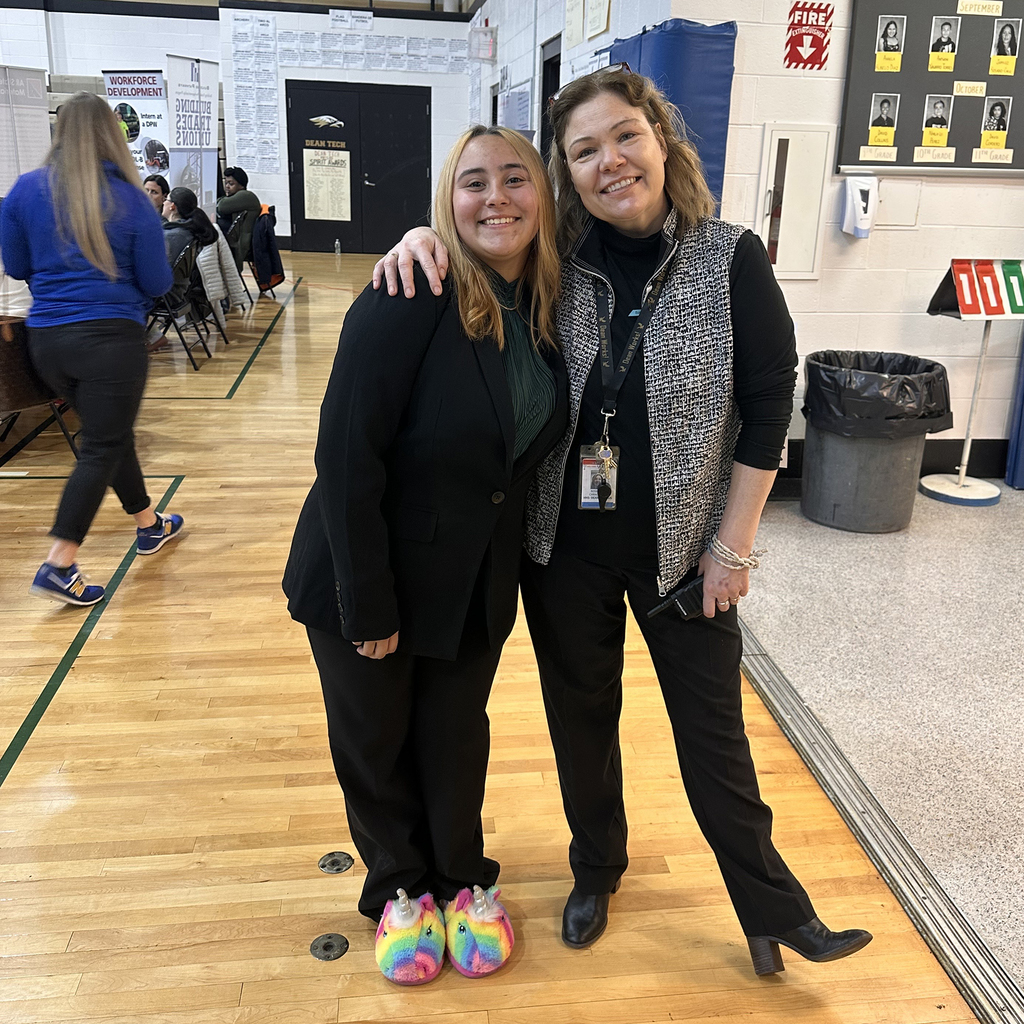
(876, 394)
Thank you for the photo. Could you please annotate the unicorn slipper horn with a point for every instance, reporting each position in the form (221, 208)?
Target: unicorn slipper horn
(410, 940)
(480, 936)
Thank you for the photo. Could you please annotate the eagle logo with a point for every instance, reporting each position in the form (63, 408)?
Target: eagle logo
(326, 121)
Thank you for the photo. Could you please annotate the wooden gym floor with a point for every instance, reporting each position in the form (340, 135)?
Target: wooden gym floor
(167, 790)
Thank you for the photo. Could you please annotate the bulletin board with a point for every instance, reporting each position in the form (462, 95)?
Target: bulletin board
(934, 87)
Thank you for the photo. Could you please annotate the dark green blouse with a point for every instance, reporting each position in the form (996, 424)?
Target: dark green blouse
(530, 380)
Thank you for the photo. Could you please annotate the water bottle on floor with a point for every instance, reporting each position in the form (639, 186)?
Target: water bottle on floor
(337, 247)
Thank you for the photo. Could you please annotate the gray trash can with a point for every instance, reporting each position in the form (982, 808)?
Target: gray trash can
(867, 416)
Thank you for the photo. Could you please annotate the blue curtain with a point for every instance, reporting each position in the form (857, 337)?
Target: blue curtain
(693, 66)
(1015, 456)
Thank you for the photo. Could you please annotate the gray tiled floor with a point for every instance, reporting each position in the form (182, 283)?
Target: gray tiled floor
(909, 648)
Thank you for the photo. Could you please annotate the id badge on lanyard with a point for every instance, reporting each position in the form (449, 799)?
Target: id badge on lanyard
(599, 462)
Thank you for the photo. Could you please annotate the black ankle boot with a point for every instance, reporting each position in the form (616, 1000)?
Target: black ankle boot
(813, 941)
(585, 918)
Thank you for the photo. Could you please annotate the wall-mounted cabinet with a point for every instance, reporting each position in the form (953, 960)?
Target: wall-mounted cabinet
(795, 166)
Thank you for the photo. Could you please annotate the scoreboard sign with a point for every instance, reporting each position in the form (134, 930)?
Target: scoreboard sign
(989, 289)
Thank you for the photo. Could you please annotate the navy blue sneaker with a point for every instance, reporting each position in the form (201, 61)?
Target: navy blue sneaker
(69, 587)
(153, 538)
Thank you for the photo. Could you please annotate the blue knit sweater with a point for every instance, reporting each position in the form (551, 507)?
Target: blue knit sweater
(66, 287)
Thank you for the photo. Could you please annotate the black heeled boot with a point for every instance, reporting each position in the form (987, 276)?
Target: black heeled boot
(585, 917)
(813, 941)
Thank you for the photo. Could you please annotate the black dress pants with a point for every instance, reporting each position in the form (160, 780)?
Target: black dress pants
(410, 739)
(577, 617)
(100, 367)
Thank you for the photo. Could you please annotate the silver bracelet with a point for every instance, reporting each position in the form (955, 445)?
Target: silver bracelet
(728, 558)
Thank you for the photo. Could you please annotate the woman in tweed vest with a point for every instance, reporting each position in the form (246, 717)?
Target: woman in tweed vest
(695, 437)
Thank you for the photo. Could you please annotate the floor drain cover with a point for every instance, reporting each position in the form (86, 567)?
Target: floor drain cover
(329, 947)
(335, 863)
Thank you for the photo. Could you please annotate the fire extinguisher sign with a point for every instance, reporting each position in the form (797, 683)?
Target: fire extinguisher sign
(807, 38)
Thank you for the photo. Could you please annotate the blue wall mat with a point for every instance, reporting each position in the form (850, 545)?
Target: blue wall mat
(693, 66)
(1015, 456)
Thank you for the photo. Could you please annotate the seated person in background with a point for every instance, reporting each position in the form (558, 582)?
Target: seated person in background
(238, 200)
(157, 188)
(184, 223)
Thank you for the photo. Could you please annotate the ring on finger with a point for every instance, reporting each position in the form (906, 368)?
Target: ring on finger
(723, 604)
(734, 600)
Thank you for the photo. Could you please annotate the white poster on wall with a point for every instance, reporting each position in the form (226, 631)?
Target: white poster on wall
(139, 101)
(192, 100)
(24, 123)
(327, 184)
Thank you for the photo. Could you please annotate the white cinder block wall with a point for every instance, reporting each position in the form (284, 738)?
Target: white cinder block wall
(872, 292)
(86, 44)
(449, 110)
(23, 38)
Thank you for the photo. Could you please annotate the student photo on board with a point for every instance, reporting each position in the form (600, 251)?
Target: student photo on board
(938, 111)
(1006, 37)
(997, 114)
(891, 29)
(884, 110)
(945, 32)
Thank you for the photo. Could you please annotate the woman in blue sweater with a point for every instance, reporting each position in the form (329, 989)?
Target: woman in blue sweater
(85, 236)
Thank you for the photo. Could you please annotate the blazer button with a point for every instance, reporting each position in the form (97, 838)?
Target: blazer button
(498, 497)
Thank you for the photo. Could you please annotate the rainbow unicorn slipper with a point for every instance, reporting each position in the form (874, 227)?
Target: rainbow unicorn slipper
(480, 935)
(410, 940)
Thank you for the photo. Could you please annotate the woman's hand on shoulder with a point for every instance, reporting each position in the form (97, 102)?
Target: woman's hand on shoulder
(377, 649)
(422, 246)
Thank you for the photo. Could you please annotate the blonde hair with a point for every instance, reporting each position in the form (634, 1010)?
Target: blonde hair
(479, 308)
(685, 184)
(87, 134)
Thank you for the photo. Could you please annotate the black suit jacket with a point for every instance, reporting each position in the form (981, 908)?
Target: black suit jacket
(417, 493)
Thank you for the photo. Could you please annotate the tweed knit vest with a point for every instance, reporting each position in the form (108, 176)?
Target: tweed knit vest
(694, 420)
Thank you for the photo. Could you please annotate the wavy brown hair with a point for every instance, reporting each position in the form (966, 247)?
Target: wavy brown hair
(685, 184)
(479, 308)
(87, 134)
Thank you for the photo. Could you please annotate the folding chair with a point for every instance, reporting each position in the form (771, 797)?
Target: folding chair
(233, 235)
(21, 389)
(169, 312)
(202, 308)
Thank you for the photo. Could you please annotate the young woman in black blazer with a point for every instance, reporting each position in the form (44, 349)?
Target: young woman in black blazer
(405, 562)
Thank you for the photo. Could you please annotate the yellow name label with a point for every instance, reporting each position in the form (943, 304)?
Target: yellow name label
(934, 154)
(888, 61)
(993, 140)
(1002, 65)
(935, 137)
(881, 136)
(968, 88)
(879, 154)
(980, 7)
(941, 61)
(992, 156)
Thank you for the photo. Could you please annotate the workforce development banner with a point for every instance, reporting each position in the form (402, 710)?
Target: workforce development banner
(139, 101)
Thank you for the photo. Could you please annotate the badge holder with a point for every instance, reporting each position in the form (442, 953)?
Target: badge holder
(599, 472)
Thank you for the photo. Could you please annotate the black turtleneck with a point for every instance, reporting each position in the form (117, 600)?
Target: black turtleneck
(764, 376)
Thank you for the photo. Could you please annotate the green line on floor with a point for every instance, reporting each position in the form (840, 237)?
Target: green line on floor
(245, 369)
(262, 341)
(24, 733)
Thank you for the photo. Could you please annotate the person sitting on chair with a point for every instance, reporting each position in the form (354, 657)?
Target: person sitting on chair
(157, 188)
(238, 230)
(184, 223)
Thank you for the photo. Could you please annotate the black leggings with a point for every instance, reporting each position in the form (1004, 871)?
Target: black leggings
(100, 367)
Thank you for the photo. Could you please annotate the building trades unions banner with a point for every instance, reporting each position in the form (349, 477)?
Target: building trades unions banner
(139, 100)
(193, 98)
